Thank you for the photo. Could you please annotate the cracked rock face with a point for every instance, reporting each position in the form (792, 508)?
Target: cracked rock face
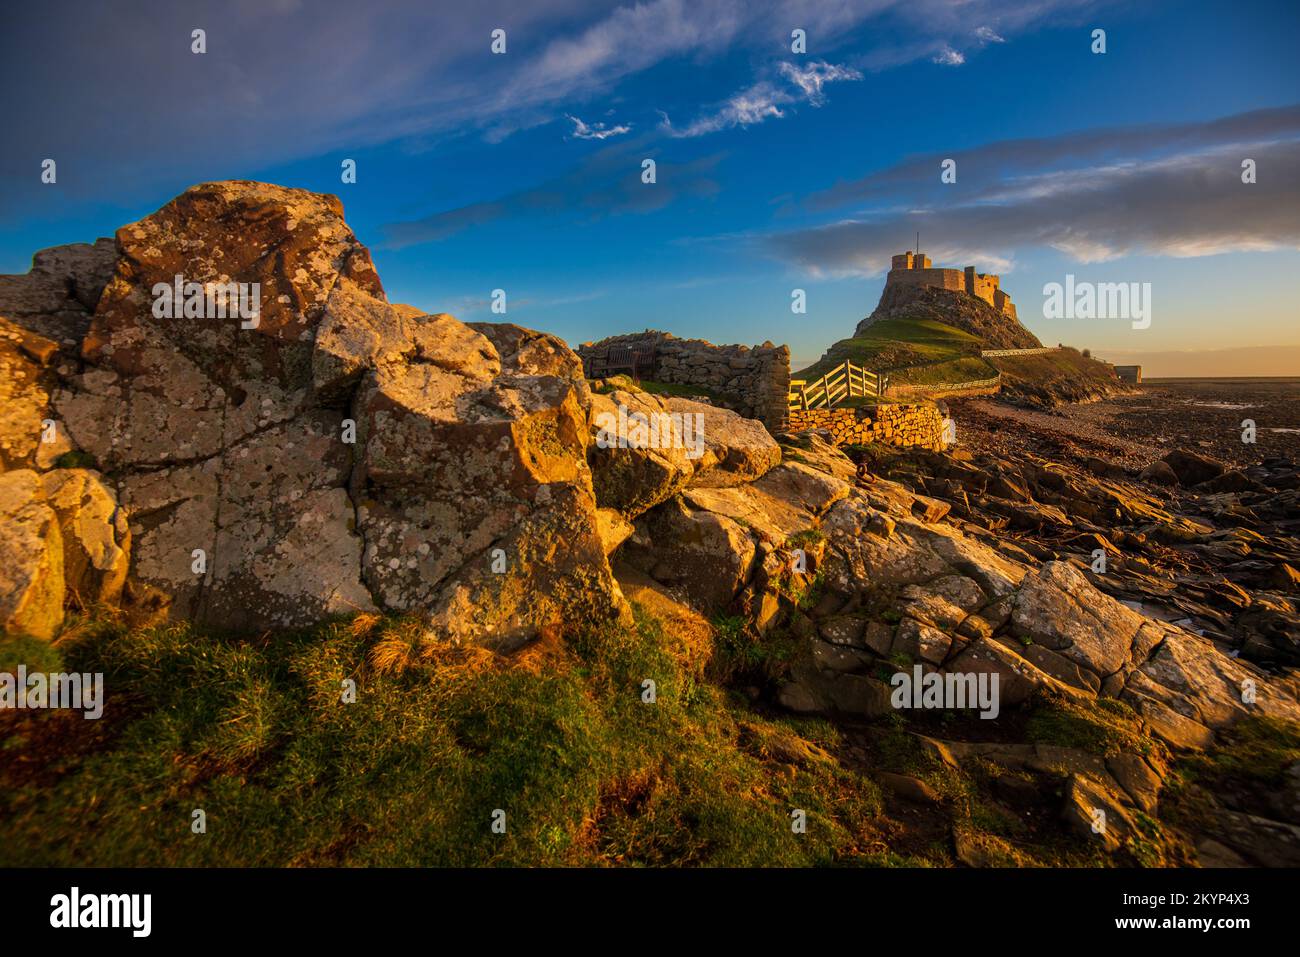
(335, 453)
(31, 558)
(898, 583)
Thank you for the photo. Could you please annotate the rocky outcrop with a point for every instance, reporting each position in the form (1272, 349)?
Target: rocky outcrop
(321, 452)
(27, 438)
(871, 577)
(66, 542)
(995, 329)
(56, 299)
(1060, 377)
(1193, 469)
(31, 558)
(95, 534)
(645, 449)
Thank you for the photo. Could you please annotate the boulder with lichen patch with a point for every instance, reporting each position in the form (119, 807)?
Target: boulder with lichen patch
(292, 446)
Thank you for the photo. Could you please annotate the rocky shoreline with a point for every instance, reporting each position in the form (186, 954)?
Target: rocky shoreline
(346, 456)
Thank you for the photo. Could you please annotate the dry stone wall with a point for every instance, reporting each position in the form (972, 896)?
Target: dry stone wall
(972, 387)
(903, 425)
(754, 381)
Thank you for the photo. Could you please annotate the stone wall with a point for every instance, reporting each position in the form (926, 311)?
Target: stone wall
(754, 381)
(970, 388)
(953, 279)
(904, 425)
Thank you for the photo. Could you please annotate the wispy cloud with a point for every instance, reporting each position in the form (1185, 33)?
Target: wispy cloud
(418, 73)
(1177, 191)
(765, 99)
(812, 78)
(606, 184)
(597, 131)
(949, 57)
(990, 167)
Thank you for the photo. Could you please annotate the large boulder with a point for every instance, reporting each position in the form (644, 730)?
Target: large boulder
(1191, 677)
(58, 296)
(31, 558)
(25, 382)
(1192, 469)
(736, 449)
(95, 534)
(705, 556)
(812, 448)
(709, 541)
(318, 451)
(791, 498)
(630, 474)
(65, 543)
(474, 494)
(645, 449)
(1058, 609)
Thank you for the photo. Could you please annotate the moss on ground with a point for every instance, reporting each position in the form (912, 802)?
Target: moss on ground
(1103, 726)
(253, 730)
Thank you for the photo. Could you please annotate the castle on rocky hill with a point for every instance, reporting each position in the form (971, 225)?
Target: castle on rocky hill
(914, 269)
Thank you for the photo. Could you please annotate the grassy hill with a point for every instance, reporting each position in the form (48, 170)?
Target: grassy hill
(897, 343)
(925, 336)
(1054, 377)
(950, 308)
(966, 369)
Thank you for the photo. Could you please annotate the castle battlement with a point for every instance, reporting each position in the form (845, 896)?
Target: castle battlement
(914, 269)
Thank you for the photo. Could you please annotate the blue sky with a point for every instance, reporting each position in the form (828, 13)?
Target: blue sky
(775, 170)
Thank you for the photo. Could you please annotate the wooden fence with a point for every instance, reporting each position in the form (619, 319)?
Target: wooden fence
(846, 381)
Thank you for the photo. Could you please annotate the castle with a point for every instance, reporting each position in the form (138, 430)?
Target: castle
(915, 270)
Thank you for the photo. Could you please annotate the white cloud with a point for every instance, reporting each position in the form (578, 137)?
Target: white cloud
(745, 108)
(419, 73)
(987, 35)
(949, 57)
(763, 100)
(815, 76)
(597, 131)
(1188, 205)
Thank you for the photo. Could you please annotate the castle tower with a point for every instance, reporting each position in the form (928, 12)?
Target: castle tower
(920, 261)
(902, 261)
(970, 280)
